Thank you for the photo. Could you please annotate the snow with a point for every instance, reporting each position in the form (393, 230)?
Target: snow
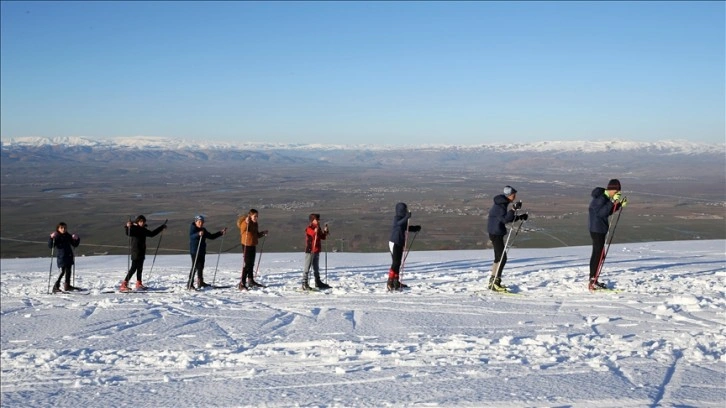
(660, 341)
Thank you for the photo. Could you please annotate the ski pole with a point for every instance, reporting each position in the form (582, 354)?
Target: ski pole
(157, 250)
(507, 244)
(262, 247)
(194, 265)
(214, 277)
(609, 239)
(405, 246)
(128, 252)
(326, 255)
(50, 272)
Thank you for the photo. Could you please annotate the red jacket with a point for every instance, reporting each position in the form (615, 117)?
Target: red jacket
(311, 241)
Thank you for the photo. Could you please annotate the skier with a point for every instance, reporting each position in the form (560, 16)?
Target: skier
(249, 236)
(64, 243)
(499, 216)
(198, 236)
(605, 201)
(397, 244)
(313, 235)
(138, 233)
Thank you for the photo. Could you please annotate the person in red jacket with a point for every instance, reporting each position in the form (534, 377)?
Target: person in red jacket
(313, 235)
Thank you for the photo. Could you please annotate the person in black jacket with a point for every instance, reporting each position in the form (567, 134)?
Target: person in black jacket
(138, 233)
(198, 236)
(499, 216)
(64, 243)
(605, 201)
(397, 244)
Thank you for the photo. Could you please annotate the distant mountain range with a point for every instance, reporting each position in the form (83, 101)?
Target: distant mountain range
(168, 144)
(666, 159)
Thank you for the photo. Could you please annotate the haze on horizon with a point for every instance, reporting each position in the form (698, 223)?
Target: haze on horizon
(395, 73)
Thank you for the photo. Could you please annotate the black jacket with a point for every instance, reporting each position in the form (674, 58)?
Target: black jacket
(64, 244)
(138, 239)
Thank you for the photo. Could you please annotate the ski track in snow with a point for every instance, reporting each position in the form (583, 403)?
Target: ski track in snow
(447, 341)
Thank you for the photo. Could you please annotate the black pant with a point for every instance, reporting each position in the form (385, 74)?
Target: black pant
(199, 266)
(65, 271)
(137, 266)
(499, 255)
(249, 254)
(396, 259)
(598, 244)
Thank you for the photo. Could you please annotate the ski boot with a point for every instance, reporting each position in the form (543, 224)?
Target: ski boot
(251, 283)
(321, 285)
(124, 287)
(140, 286)
(241, 286)
(56, 288)
(595, 285)
(306, 287)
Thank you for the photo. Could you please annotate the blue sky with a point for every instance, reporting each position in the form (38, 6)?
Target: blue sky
(365, 72)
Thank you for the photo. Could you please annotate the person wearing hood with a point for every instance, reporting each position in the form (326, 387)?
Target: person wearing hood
(138, 232)
(397, 243)
(605, 201)
(499, 216)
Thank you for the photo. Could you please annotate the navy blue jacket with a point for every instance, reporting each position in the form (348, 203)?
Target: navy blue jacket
(194, 239)
(138, 240)
(499, 216)
(64, 244)
(400, 222)
(600, 210)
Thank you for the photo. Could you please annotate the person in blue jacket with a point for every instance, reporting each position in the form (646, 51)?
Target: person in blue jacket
(397, 244)
(499, 216)
(63, 243)
(605, 201)
(198, 236)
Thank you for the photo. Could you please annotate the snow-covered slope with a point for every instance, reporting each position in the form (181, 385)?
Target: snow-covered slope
(660, 341)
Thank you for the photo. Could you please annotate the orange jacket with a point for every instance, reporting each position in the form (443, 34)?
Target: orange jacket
(248, 232)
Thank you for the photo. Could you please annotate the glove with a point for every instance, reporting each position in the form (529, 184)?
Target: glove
(518, 205)
(616, 196)
(414, 228)
(264, 233)
(163, 227)
(75, 236)
(53, 234)
(224, 230)
(624, 201)
(522, 217)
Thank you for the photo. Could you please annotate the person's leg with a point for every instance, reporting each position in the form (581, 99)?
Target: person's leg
(598, 245)
(306, 271)
(396, 257)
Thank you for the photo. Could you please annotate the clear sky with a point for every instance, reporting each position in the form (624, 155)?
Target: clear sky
(365, 72)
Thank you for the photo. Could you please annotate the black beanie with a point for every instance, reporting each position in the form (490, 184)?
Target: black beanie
(140, 218)
(614, 184)
(313, 216)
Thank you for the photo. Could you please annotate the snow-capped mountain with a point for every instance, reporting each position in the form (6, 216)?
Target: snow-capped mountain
(162, 143)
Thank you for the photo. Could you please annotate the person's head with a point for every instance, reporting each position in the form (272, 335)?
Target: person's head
(510, 193)
(61, 227)
(253, 214)
(314, 218)
(199, 220)
(613, 186)
(140, 220)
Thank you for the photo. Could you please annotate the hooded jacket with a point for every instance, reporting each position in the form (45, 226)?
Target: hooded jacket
(400, 223)
(600, 210)
(64, 243)
(499, 216)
